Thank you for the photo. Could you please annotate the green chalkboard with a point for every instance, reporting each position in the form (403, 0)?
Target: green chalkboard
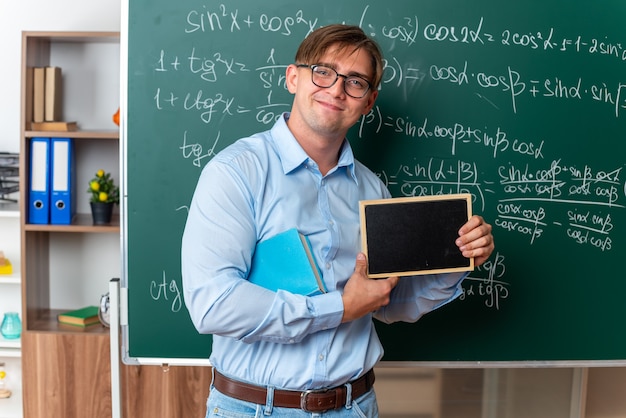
(521, 104)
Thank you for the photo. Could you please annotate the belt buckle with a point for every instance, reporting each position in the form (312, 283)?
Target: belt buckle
(304, 400)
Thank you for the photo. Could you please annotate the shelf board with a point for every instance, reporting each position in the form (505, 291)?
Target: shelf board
(10, 279)
(48, 323)
(81, 134)
(74, 36)
(9, 209)
(82, 222)
(10, 348)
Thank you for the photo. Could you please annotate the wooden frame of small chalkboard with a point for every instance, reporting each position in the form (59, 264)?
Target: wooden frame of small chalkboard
(414, 235)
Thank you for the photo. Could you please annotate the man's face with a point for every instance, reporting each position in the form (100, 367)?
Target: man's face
(329, 111)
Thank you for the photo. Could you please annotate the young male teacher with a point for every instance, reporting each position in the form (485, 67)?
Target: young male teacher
(280, 354)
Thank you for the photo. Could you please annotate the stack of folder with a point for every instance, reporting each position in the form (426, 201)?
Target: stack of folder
(9, 175)
(52, 189)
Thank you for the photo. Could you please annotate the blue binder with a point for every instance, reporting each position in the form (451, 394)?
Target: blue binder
(39, 186)
(62, 181)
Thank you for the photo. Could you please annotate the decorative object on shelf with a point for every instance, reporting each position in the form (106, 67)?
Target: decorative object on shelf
(104, 195)
(101, 212)
(5, 265)
(4, 392)
(11, 327)
(103, 312)
(116, 117)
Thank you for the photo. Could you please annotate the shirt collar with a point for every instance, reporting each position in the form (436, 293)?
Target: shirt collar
(293, 156)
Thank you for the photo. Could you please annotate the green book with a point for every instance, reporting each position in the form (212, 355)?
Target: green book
(80, 317)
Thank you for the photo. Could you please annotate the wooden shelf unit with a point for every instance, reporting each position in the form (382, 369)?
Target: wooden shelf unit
(71, 362)
(37, 51)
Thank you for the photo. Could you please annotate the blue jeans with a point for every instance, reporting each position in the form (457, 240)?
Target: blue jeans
(220, 405)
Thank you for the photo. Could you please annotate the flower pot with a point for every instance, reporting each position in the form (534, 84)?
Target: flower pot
(101, 212)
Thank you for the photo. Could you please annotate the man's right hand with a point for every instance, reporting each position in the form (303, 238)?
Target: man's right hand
(363, 295)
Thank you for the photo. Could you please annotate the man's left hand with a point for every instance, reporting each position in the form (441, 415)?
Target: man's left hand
(475, 240)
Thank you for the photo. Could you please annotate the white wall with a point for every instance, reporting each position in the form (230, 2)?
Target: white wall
(40, 15)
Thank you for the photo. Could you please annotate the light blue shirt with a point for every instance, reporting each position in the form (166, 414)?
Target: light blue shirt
(252, 190)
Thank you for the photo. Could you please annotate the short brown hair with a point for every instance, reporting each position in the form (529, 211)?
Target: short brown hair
(320, 40)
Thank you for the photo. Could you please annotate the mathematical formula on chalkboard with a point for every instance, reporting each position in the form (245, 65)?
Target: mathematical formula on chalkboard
(521, 106)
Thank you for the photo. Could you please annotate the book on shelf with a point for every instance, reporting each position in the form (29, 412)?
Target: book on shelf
(53, 94)
(82, 317)
(28, 100)
(39, 85)
(54, 126)
(285, 261)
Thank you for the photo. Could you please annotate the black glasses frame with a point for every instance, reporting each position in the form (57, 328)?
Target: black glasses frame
(312, 67)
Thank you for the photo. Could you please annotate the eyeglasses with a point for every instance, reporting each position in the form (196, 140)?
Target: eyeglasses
(325, 77)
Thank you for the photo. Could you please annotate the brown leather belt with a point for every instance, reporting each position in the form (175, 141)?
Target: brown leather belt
(308, 400)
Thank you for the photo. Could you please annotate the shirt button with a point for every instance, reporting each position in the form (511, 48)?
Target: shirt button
(327, 266)
(321, 357)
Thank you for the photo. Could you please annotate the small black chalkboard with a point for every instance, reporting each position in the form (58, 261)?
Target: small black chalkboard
(414, 235)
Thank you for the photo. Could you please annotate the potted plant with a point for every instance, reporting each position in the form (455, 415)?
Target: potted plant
(104, 194)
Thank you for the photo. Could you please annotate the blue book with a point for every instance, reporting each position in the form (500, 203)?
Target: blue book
(285, 261)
